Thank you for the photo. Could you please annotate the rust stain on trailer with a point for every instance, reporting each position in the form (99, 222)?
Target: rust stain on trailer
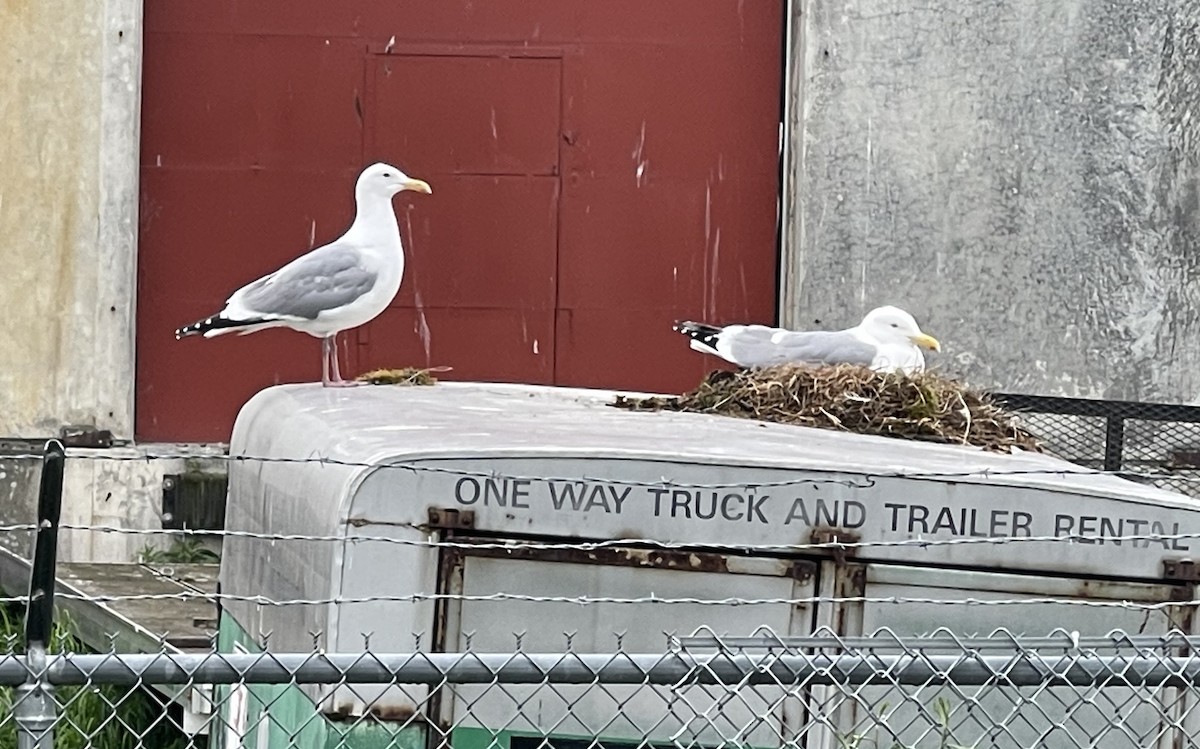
(668, 559)
(802, 571)
(851, 584)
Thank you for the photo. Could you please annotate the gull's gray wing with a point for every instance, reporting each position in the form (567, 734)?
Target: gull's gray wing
(326, 278)
(761, 346)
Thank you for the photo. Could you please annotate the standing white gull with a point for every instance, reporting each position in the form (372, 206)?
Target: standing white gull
(887, 340)
(338, 286)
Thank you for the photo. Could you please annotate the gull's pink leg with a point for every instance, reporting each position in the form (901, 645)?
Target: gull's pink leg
(338, 382)
(325, 362)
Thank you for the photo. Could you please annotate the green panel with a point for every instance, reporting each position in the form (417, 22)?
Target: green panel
(291, 718)
(479, 738)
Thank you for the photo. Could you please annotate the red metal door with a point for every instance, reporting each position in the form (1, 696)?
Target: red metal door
(669, 204)
(479, 286)
(599, 170)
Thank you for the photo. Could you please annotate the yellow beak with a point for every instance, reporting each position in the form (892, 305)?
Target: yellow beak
(417, 185)
(926, 341)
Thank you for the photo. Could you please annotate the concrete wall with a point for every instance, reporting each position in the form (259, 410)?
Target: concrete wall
(69, 101)
(70, 105)
(1019, 175)
(120, 487)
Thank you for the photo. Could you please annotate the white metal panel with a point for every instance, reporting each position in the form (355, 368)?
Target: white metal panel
(375, 578)
(983, 523)
(708, 716)
(886, 581)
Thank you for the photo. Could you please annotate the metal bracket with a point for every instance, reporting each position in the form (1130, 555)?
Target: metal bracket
(1181, 570)
(832, 537)
(451, 519)
(85, 436)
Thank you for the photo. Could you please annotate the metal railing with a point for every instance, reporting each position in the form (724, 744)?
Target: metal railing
(1156, 443)
(709, 691)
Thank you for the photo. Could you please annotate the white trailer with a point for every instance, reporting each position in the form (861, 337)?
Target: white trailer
(377, 476)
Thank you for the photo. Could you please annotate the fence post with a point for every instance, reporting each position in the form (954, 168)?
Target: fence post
(1114, 443)
(35, 708)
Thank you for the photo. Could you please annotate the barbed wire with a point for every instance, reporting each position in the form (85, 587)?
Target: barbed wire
(261, 600)
(706, 639)
(867, 479)
(881, 639)
(647, 543)
(888, 638)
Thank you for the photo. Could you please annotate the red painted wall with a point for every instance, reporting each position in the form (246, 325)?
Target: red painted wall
(600, 169)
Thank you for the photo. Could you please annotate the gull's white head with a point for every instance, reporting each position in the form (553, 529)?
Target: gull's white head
(385, 180)
(894, 325)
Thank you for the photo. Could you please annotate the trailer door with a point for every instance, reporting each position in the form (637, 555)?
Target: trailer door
(547, 618)
(910, 601)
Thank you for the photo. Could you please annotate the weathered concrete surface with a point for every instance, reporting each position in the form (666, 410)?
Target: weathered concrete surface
(69, 103)
(1020, 175)
(118, 488)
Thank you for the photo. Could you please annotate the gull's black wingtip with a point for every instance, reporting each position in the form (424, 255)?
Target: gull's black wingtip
(688, 327)
(216, 322)
(195, 328)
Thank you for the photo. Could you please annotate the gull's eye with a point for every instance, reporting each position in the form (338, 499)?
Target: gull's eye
(387, 174)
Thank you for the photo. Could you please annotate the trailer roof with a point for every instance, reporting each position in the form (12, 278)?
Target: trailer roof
(481, 420)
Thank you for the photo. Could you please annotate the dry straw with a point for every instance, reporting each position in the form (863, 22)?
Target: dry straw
(853, 399)
(405, 376)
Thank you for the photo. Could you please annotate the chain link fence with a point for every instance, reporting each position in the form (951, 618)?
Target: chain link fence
(702, 691)
(721, 686)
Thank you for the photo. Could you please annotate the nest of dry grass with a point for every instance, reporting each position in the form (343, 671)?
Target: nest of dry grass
(848, 398)
(405, 376)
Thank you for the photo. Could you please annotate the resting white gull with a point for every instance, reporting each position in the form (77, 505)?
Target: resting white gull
(338, 286)
(887, 340)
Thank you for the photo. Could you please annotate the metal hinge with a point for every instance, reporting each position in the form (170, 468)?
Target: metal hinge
(1181, 570)
(450, 519)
